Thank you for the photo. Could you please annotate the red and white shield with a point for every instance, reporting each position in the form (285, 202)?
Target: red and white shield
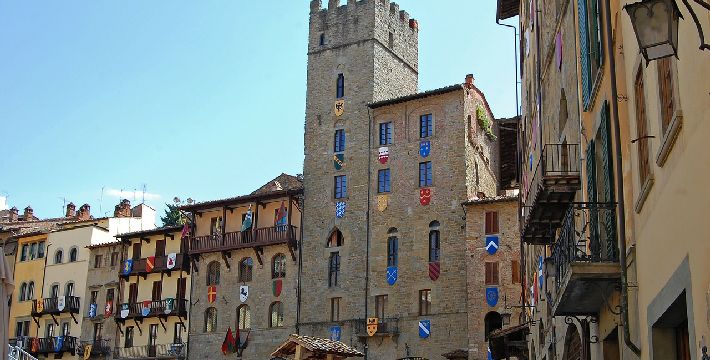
(384, 154)
(424, 196)
(434, 270)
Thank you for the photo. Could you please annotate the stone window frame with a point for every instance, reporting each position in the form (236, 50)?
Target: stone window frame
(336, 140)
(434, 246)
(278, 273)
(213, 273)
(389, 136)
(59, 253)
(210, 325)
(340, 86)
(276, 309)
(430, 125)
(246, 318)
(243, 278)
(73, 254)
(384, 181)
(645, 183)
(425, 302)
(668, 138)
(339, 240)
(343, 193)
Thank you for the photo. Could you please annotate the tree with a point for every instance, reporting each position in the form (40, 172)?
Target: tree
(172, 217)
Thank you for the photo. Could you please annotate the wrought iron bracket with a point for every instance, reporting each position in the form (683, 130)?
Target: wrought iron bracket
(165, 329)
(55, 320)
(73, 316)
(584, 322)
(703, 44)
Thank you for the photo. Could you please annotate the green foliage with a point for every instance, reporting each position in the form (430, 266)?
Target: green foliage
(485, 122)
(172, 216)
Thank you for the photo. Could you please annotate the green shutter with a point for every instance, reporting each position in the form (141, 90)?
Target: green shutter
(584, 53)
(608, 174)
(592, 198)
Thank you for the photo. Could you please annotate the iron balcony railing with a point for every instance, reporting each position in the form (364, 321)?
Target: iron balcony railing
(153, 308)
(15, 352)
(588, 235)
(282, 234)
(161, 265)
(56, 305)
(53, 345)
(160, 351)
(99, 347)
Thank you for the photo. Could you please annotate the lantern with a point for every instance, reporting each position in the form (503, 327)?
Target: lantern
(655, 24)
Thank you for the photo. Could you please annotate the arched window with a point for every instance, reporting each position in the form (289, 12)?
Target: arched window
(493, 321)
(243, 317)
(278, 270)
(58, 256)
(340, 85)
(30, 291)
(69, 290)
(210, 319)
(213, 273)
(54, 291)
(22, 293)
(277, 314)
(245, 267)
(335, 239)
(73, 253)
(392, 245)
(434, 241)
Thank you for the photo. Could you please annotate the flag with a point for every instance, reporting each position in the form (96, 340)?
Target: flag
(229, 345)
(149, 263)
(185, 230)
(281, 215)
(246, 225)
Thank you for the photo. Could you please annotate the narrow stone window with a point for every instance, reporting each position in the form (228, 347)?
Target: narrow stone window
(321, 42)
(333, 269)
(243, 317)
(434, 242)
(492, 273)
(210, 319)
(392, 248)
(335, 309)
(340, 87)
(391, 40)
(213, 273)
(277, 315)
(424, 302)
(279, 266)
(492, 223)
(383, 177)
(245, 269)
(335, 239)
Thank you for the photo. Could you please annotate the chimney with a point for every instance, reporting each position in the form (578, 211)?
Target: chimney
(84, 212)
(469, 81)
(14, 215)
(71, 210)
(123, 209)
(29, 214)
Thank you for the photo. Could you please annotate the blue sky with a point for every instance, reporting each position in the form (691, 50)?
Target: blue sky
(201, 99)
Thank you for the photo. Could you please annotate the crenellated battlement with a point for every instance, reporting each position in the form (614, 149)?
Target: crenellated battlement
(363, 20)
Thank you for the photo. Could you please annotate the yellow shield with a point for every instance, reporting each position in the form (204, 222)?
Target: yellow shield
(382, 201)
(87, 351)
(371, 326)
(40, 305)
(339, 107)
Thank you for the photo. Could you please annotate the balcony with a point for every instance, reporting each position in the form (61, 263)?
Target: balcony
(284, 234)
(161, 266)
(586, 259)
(388, 327)
(161, 351)
(53, 345)
(56, 306)
(156, 308)
(99, 347)
(552, 189)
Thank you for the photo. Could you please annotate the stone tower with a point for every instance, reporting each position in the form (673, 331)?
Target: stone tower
(359, 53)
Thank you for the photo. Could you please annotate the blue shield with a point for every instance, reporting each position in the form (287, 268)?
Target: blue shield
(492, 244)
(424, 328)
(340, 209)
(58, 343)
(425, 148)
(92, 310)
(540, 277)
(492, 296)
(391, 275)
(490, 356)
(335, 332)
(127, 266)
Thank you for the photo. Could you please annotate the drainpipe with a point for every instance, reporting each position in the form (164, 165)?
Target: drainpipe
(300, 273)
(619, 186)
(367, 221)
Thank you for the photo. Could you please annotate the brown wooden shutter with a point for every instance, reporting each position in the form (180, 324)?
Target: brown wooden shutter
(157, 290)
(137, 251)
(160, 248)
(133, 293)
(515, 267)
(665, 87)
(641, 129)
(181, 288)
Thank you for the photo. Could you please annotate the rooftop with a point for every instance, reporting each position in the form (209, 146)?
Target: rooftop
(156, 231)
(416, 96)
(489, 200)
(282, 185)
(316, 345)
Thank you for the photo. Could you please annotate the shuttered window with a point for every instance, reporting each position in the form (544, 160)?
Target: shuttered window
(665, 89)
(515, 271)
(492, 273)
(641, 129)
(591, 49)
(492, 223)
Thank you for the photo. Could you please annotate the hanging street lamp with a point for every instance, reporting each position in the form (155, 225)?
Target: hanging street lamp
(655, 24)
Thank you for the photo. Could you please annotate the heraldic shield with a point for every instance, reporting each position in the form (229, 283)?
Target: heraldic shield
(276, 287)
(335, 332)
(391, 275)
(212, 293)
(172, 259)
(339, 107)
(382, 202)
(492, 296)
(424, 196)
(383, 155)
(491, 244)
(149, 263)
(434, 270)
(425, 148)
(424, 328)
(243, 293)
(372, 326)
(340, 209)
(40, 306)
(338, 161)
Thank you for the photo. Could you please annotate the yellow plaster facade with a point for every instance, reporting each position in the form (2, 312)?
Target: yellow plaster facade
(29, 269)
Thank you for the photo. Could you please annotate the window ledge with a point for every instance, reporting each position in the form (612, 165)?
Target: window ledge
(645, 190)
(669, 138)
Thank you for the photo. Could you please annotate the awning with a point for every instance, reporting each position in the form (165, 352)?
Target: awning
(507, 9)
(509, 342)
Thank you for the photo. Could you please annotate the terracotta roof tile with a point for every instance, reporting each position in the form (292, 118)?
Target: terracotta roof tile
(316, 345)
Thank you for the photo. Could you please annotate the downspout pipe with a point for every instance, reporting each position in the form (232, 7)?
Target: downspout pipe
(367, 221)
(619, 184)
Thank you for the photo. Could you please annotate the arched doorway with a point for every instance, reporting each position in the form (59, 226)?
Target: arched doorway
(493, 321)
(573, 344)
